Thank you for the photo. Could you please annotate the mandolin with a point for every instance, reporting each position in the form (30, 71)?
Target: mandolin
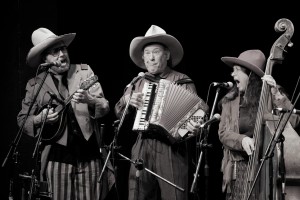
(53, 132)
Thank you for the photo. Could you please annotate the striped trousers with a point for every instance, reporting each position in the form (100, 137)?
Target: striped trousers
(69, 182)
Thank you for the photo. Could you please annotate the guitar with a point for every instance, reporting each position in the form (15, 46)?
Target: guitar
(53, 132)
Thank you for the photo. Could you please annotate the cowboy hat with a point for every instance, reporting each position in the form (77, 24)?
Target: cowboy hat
(43, 38)
(155, 34)
(253, 60)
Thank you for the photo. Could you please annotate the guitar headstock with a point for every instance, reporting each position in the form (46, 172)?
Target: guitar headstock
(86, 84)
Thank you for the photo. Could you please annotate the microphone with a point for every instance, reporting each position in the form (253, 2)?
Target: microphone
(101, 130)
(228, 85)
(140, 75)
(115, 123)
(284, 110)
(54, 96)
(215, 118)
(139, 165)
(54, 63)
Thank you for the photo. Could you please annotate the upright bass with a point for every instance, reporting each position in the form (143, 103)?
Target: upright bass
(276, 56)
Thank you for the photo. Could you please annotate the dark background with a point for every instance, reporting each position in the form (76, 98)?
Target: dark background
(104, 32)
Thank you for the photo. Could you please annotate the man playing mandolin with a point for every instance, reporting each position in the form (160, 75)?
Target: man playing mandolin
(71, 160)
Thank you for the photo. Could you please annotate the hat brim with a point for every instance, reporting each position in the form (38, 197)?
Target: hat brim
(138, 43)
(34, 55)
(231, 61)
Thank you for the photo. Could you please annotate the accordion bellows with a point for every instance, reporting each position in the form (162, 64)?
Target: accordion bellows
(168, 107)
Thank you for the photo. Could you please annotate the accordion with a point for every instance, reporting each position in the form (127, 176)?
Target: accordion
(167, 108)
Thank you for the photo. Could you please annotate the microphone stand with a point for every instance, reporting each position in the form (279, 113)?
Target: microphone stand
(113, 144)
(271, 146)
(282, 170)
(13, 146)
(16, 141)
(35, 184)
(204, 145)
(140, 166)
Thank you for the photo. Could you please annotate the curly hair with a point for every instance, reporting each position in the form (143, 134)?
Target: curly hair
(252, 95)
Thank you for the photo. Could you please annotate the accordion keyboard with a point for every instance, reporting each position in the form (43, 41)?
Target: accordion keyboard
(143, 114)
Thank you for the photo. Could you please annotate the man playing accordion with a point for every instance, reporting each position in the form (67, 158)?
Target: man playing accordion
(158, 53)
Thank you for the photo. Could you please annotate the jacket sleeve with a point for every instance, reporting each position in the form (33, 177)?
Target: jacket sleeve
(228, 129)
(28, 126)
(100, 104)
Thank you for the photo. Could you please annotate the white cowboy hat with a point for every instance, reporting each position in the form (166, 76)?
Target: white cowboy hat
(253, 60)
(42, 38)
(155, 34)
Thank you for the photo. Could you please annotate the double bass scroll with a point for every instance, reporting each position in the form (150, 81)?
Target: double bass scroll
(254, 163)
(284, 41)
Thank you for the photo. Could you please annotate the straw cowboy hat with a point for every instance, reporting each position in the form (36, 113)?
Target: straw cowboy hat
(253, 60)
(155, 34)
(43, 38)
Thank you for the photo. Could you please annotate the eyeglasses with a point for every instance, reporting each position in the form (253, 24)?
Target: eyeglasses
(56, 51)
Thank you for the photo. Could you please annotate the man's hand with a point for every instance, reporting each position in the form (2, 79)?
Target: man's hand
(52, 117)
(136, 100)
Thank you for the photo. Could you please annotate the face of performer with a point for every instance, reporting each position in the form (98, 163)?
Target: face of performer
(58, 52)
(240, 77)
(155, 57)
